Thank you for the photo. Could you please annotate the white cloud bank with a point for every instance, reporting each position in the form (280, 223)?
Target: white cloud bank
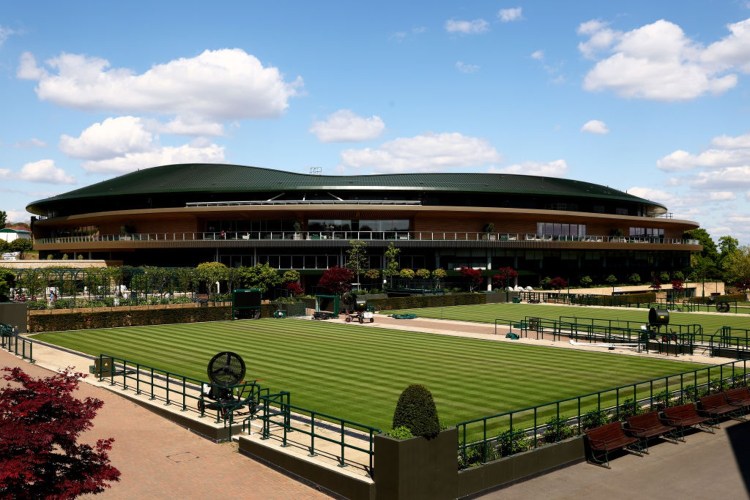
(216, 85)
(659, 62)
(346, 126)
(424, 153)
(556, 168)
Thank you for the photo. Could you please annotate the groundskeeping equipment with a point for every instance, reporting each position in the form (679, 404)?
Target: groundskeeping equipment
(360, 313)
(227, 391)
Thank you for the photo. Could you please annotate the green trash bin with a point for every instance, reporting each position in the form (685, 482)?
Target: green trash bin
(516, 300)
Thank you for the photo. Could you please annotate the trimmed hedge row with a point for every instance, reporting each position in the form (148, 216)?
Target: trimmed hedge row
(732, 297)
(417, 301)
(77, 320)
(614, 300)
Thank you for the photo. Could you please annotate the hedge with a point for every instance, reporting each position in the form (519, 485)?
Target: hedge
(154, 315)
(417, 301)
(614, 300)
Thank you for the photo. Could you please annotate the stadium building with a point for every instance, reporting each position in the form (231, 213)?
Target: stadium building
(182, 215)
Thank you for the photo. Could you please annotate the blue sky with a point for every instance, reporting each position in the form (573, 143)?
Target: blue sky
(647, 97)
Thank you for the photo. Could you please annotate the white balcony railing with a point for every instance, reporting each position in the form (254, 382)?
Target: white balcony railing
(307, 236)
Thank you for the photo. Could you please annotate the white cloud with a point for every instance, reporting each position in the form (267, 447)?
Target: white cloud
(31, 143)
(424, 153)
(216, 85)
(44, 171)
(466, 67)
(400, 36)
(5, 173)
(474, 27)
(538, 55)
(730, 178)
(18, 216)
(721, 196)
(556, 168)
(346, 126)
(727, 152)
(112, 137)
(664, 197)
(188, 153)
(510, 15)
(595, 127)
(659, 62)
(5, 33)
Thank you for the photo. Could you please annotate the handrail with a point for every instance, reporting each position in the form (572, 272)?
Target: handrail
(11, 342)
(475, 434)
(394, 235)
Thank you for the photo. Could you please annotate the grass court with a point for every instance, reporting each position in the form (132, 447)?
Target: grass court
(357, 372)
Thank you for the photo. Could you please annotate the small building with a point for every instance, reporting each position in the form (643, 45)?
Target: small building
(11, 235)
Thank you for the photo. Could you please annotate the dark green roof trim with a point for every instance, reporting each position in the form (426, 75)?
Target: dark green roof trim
(220, 178)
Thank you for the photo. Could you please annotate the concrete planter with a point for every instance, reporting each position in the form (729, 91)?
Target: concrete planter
(416, 468)
(521, 466)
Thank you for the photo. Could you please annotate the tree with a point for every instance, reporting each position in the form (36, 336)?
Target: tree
(407, 274)
(611, 281)
(3, 219)
(260, 276)
(438, 275)
(472, 276)
(391, 262)
(357, 260)
(635, 279)
(504, 276)
(40, 422)
(558, 283)
(737, 267)
(704, 264)
(336, 280)
(22, 245)
(6, 278)
(586, 281)
(209, 273)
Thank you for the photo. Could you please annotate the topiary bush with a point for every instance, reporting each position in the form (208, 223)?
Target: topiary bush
(416, 411)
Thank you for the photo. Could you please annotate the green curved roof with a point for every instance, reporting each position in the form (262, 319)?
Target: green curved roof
(221, 178)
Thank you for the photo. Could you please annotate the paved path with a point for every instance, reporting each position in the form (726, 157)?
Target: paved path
(160, 460)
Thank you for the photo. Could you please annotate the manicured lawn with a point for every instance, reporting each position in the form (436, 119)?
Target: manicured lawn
(357, 373)
(487, 313)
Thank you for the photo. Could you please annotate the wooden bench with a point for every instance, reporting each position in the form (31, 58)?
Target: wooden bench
(739, 396)
(683, 417)
(716, 407)
(647, 426)
(607, 438)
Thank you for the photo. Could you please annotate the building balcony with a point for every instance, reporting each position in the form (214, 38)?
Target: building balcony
(342, 238)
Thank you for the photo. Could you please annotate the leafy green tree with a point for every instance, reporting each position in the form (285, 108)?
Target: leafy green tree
(737, 267)
(6, 278)
(357, 261)
(260, 276)
(208, 273)
(3, 219)
(391, 262)
(704, 264)
(22, 245)
(422, 273)
(407, 274)
(611, 280)
(586, 281)
(290, 276)
(635, 279)
(439, 275)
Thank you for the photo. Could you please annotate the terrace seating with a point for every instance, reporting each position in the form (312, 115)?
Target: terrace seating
(739, 396)
(716, 407)
(607, 438)
(684, 417)
(647, 426)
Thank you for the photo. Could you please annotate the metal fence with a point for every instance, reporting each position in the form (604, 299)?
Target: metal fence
(20, 346)
(487, 438)
(278, 417)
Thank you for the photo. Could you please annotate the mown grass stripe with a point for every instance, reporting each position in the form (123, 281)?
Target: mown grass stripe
(358, 373)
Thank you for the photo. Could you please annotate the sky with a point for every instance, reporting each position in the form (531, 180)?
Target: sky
(651, 98)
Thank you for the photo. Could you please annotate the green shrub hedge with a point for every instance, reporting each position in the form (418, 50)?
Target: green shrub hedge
(614, 300)
(416, 411)
(78, 320)
(416, 301)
